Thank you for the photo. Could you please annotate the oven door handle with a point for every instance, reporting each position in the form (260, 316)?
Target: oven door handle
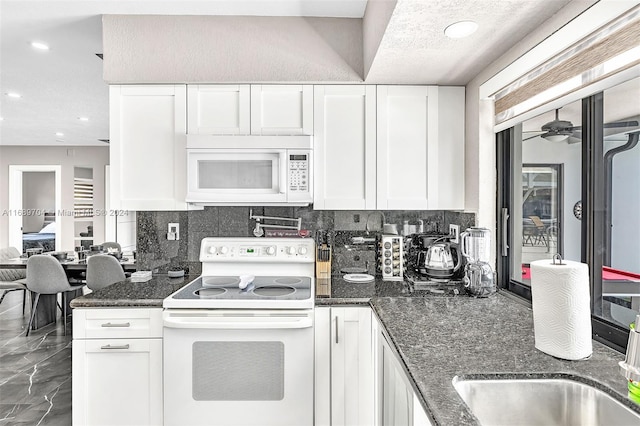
(237, 323)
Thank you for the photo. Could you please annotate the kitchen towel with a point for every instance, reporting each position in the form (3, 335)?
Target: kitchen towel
(561, 308)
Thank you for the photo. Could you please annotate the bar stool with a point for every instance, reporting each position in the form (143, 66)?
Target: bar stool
(45, 275)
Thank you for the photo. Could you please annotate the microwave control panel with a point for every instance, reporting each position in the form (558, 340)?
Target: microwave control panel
(299, 171)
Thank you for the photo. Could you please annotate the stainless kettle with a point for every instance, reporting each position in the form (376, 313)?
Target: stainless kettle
(440, 260)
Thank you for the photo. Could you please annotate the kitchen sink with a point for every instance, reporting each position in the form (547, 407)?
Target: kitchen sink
(542, 402)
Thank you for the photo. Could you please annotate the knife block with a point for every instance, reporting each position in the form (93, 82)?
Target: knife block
(323, 267)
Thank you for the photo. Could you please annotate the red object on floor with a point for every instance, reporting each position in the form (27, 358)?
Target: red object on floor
(607, 274)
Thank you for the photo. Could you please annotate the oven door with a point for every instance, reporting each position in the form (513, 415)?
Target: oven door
(238, 367)
(236, 175)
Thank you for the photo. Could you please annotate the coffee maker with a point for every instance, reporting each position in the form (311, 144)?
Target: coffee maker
(433, 258)
(475, 246)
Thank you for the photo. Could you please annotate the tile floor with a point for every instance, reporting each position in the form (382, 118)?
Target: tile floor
(35, 371)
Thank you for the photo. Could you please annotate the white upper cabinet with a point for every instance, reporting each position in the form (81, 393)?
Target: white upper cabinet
(281, 109)
(407, 146)
(448, 194)
(420, 151)
(226, 109)
(148, 147)
(219, 109)
(389, 148)
(345, 147)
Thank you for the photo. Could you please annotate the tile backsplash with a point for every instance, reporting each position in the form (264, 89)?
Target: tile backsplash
(156, 252)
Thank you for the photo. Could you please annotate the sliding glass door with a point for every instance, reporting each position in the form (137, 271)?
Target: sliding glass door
(569, 183)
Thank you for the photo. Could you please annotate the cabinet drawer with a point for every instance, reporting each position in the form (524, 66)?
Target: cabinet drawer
(108, 323)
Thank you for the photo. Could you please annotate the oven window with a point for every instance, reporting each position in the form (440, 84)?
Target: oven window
(238, 371)
(235, 174)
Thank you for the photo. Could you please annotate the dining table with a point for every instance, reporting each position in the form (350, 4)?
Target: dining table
(75, 270)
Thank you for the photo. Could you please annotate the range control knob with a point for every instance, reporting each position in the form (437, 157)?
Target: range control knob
(224, 250)
(271, 250)
(291, 250)
(212, 250)
(302, 250)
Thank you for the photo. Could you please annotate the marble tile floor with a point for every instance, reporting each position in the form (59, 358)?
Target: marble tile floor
(35, 371)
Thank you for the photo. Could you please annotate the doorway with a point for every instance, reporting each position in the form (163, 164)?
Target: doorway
(24, 211)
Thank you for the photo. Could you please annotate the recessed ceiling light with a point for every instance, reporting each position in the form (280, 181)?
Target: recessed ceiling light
(1, 118)
(83, 118)
(14, 95)
(59, 134)
(38, 45)
(461, 29)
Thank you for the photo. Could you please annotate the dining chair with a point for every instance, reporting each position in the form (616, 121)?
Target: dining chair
(103, 270)
(45, 275)
(12, 279)
(111, 245)
(541, 234)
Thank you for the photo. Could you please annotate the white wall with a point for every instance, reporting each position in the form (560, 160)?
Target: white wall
(625, 234)
(209, 49)
(374, 23)
(542, 151)
(68, 158)
(38, 195)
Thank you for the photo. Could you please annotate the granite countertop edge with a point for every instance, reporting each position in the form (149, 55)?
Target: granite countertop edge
(426, 331)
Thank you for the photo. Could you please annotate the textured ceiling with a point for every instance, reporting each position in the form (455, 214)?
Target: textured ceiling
(66, 82)
(414, 48)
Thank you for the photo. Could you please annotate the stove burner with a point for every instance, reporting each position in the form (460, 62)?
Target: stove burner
(205, 293)
(220, 281)
(288, 280)
(273, 291)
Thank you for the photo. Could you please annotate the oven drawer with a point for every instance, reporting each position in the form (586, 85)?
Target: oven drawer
(105, 323)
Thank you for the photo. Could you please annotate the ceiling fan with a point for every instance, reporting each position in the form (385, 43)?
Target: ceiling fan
(563, 130)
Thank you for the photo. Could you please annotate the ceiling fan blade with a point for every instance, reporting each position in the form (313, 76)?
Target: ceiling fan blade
(620, 124)
(531, 137)
(614, 124)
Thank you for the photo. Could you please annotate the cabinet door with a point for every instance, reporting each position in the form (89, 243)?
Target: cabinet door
(281, 109)
(148, 147)
(407, 146)
(352, 391)
(344, 147)
(117, 382)
(397, 395)
(450, 195)
(322, 366)
(219, 109)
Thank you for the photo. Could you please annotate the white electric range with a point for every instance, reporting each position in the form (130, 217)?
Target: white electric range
(238, 340)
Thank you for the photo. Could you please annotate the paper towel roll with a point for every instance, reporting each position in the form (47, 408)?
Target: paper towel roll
(561, 308)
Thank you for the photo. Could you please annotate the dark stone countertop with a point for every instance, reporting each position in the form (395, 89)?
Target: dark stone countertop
(439, 338)
(337, 291)
(133, 294)
(436, 337)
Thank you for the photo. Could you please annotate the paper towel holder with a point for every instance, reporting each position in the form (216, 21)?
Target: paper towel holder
(558, 258)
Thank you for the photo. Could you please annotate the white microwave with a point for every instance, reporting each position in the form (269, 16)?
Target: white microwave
(249, 170)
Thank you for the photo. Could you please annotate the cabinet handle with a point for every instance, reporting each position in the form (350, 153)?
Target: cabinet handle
(115, 347)
(121, 324)
(336, 330)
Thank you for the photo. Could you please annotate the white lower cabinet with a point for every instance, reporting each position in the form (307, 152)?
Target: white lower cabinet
(117, 380)
(397, 404)
(359, 379)
(344, 366)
